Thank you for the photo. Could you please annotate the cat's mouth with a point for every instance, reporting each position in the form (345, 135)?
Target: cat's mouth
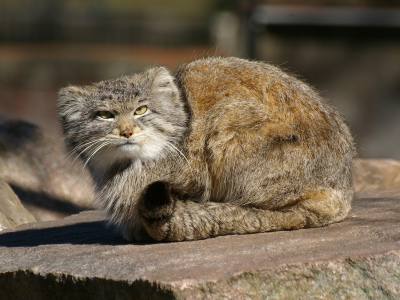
(127, 144)
(128, 150)
(138, 148)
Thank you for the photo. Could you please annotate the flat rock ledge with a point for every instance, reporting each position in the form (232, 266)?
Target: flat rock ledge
(81, 257)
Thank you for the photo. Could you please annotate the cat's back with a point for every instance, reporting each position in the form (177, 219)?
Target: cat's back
(238, 82)
(236, 95)
(210, 80)
(253, 120)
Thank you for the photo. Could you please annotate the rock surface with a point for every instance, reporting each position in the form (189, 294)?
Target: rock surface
(37, 168)
(81, 258)
(376, 174)
(12, 212)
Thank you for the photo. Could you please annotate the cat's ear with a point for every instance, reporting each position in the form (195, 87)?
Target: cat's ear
(71, 101)
(162, 79)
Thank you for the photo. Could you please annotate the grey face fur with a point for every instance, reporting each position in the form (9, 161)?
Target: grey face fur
(231, 147)
(123, 135)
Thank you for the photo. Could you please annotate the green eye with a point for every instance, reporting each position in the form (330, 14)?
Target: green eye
(105, 115)
(141, 110)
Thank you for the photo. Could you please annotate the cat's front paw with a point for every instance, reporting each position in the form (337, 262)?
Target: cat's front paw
(156, 208)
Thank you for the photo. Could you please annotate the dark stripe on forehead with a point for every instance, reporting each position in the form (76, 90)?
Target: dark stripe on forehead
(106, 97)
(119, 91)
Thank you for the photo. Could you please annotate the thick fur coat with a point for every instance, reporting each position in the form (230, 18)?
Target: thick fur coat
(228, 146)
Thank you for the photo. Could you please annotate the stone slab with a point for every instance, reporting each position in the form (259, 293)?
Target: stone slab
(12, 212)
(376, 174)
(81, 257)
(49, 182)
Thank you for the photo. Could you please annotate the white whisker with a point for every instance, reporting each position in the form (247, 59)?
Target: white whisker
(94, 144)
(73, 151)
(104, 143)
(179, 151)
(170, 145)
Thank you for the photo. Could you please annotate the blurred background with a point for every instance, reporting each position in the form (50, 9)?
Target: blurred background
(347, 49)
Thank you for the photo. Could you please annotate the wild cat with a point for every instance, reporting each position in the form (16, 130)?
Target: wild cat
(228, 146)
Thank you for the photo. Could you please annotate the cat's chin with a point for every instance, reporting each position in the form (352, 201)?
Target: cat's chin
(107, 157)
(129, 149)
(135, 151)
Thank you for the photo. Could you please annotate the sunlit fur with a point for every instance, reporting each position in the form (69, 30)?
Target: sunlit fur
(228, 146)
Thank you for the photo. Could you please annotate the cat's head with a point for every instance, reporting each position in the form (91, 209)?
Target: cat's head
(134, 117)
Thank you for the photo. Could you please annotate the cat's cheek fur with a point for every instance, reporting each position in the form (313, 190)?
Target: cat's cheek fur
(152, 151)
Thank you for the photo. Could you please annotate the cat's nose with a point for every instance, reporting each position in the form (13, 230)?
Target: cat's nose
(126, 133)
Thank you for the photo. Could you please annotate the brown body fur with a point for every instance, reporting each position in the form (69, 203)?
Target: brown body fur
(263, 152)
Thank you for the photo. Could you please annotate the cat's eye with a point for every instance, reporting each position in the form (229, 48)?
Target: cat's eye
(140, 110)
(105, 114)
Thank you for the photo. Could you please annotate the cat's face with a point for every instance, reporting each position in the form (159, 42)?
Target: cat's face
(138, 117)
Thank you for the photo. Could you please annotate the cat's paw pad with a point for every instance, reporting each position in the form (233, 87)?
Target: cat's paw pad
(157, 202)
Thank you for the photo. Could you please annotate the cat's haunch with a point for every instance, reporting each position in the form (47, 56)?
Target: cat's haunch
(228, 146)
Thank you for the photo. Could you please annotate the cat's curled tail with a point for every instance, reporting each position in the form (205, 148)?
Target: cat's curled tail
(166, 218)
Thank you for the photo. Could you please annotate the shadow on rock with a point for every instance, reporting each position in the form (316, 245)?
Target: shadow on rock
(40, 200)
(85, 233)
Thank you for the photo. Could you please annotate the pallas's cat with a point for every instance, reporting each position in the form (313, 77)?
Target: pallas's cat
(228, 146)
